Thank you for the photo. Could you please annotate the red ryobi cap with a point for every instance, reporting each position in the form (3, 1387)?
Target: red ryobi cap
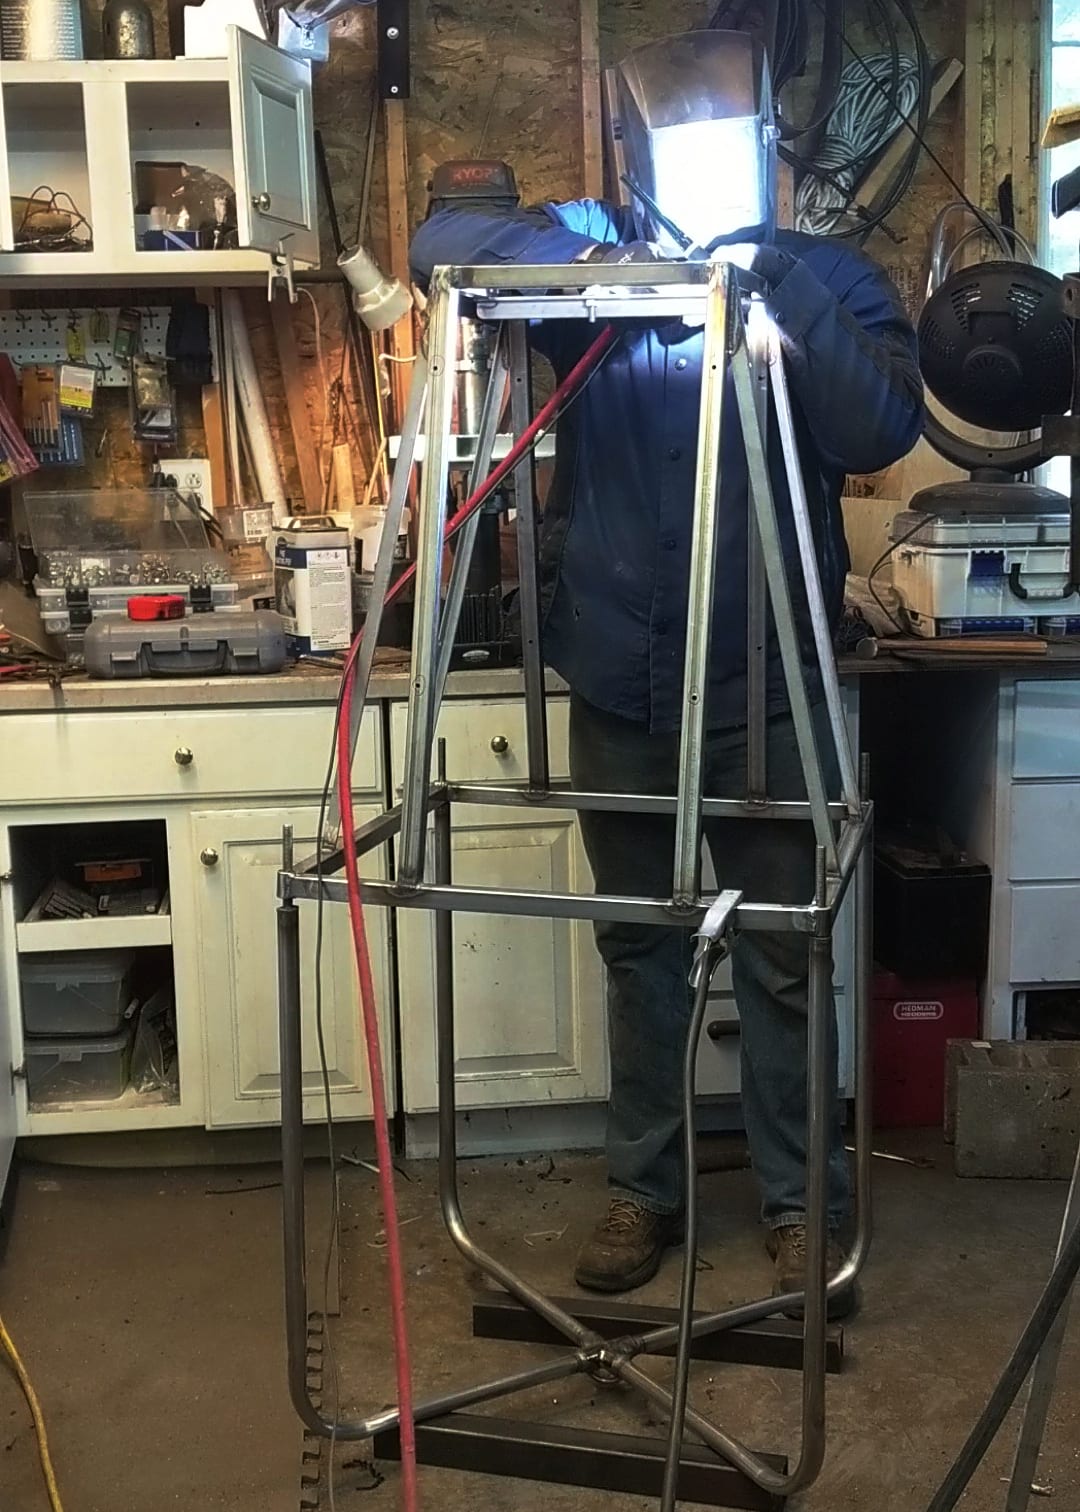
(156, 606)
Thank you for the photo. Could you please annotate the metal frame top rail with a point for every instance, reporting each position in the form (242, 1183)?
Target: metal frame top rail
(538, 291)
(541, 291)
(489, 278)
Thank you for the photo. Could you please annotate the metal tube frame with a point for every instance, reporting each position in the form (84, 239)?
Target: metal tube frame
(1043, 1375)
(384, 567)
(715, 297)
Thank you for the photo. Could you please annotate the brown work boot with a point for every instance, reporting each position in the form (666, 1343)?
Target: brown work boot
(787, 1251)
(626, 1249)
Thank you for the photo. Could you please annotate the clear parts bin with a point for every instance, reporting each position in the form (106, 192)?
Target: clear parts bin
(130, 537)
(76, 992)
(78, 1069)
(151, 571)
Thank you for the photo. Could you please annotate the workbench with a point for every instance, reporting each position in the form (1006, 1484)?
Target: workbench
(221, 764)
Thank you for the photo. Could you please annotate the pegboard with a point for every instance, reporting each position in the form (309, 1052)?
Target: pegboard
(32, 336)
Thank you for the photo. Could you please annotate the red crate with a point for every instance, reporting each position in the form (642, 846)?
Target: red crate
(913, 1020)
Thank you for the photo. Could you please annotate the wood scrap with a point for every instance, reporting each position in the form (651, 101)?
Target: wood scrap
(975, 646)
(306, 447)
(402, 339)
(592, 156)
(213, 412)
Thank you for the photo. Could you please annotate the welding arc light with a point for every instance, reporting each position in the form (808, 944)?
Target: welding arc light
(710, 177)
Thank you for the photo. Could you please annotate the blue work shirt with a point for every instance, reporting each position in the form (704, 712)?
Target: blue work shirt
(619, 517)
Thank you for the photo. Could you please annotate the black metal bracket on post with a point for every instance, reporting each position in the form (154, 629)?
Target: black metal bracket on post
(612, 1462)
(392, 49)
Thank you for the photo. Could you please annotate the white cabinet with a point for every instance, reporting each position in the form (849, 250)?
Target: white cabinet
(204, 787)
(528, 992)
(8, 1009)
(998, 767)
(80, 128)
(237, 856)
(31, 841)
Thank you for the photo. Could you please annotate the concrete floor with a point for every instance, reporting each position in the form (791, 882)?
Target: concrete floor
(148, 1310)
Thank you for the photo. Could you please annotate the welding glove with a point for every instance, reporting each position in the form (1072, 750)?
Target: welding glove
(769, 263)
(628, 252)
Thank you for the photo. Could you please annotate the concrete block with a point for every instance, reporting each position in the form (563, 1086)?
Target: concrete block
(1013, 1108)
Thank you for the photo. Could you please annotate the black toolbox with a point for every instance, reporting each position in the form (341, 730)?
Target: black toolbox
(931, 909)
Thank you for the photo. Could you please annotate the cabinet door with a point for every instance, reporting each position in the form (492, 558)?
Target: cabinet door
(528, 991)
(10, 1029)
(274, 148)
(237, 855)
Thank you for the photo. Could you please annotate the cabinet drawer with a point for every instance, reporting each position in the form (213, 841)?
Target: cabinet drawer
(719, 1070)
(125, 754)
(1044, 826)
(718, 1065)
(1046, 740)
(485, 739)
(1045, 938)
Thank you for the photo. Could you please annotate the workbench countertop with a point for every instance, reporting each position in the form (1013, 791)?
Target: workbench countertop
(308, 684)
(305, 684)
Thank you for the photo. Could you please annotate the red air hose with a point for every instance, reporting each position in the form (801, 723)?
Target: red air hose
(369, 1009)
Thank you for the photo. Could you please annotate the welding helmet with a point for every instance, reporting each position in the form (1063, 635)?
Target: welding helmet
(696, 120)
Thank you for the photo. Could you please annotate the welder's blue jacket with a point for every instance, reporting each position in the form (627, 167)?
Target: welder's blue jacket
(618, 520)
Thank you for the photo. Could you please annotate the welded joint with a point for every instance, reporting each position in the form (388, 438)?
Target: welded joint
(442, 281)
(820, 921)
(294, 883)
(615, 1353)
(596, 1360)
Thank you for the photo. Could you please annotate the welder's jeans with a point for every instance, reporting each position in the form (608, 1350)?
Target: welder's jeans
(648, 966)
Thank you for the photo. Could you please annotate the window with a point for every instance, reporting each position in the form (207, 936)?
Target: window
(1061, 238)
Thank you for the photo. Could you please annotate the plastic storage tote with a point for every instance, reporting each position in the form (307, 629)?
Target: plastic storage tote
(87, 992)
(78, 1070)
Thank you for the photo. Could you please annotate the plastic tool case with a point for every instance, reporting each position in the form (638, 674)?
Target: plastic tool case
(204, 645)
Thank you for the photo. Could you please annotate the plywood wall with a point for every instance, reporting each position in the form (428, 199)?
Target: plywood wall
(502, 77)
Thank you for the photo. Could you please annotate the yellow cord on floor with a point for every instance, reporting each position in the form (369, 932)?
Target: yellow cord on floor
(8, 1346)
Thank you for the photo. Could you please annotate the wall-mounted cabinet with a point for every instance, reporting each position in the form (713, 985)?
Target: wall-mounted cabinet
(78, 131)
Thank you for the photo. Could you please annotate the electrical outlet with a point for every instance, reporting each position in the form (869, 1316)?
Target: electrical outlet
(192, 476)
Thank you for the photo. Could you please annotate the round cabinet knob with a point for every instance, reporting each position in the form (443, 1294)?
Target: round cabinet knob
(183, 755)
(261, 202)
(209, 856)
(500, 745)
